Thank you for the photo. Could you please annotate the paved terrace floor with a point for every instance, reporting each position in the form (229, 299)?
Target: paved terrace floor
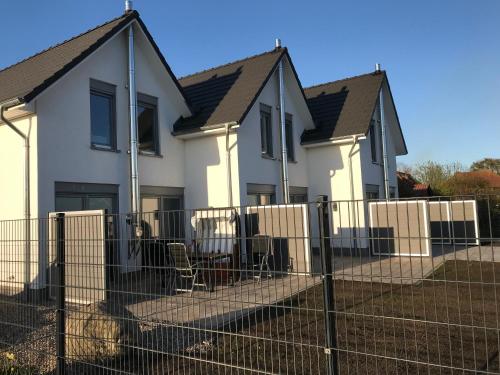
(144, 297)
(406, 269)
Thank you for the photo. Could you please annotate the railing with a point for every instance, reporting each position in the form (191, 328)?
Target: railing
(329, 287)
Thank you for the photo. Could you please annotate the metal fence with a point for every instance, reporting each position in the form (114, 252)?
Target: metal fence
(329, 287)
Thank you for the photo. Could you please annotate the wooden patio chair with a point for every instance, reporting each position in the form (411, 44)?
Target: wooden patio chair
(262, 248)
(185, 268)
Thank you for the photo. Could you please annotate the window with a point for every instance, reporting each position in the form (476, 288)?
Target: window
(298, 194)
(163, 212)
(373, 141)
(261, 194)
(102, 115)
(392, 192)
(372, 192)
(266, 130)
(71, 196)
(147, 123)
(289, 137)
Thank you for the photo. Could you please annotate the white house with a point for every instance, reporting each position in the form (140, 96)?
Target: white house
(211, 139)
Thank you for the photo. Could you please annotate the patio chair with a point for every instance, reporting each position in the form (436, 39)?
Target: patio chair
(185, 268)
(262, 248)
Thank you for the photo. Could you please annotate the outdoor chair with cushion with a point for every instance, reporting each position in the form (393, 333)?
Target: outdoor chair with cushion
(185, 268)
(262, 249)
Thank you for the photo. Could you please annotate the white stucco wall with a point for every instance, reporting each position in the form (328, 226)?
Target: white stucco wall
(328, 169)
(254, 168)
(12, 225)
(64, 117)
(206, 171)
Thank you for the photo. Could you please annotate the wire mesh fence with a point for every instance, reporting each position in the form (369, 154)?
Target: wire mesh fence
(329, 287)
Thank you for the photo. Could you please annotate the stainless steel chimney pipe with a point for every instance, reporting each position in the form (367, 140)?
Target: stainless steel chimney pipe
(134, 173)
(128, 6)
(284, 151)
(384, 142)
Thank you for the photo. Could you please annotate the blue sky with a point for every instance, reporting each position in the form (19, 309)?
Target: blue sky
(442, 57)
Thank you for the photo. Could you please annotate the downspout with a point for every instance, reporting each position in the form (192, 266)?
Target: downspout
(351, 182)
(284, 151)
(384, 140)
(134, 173)
(27, 190)
(228, 167)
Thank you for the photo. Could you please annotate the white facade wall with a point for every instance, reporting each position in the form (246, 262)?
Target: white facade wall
(64, 116)
(206, 171)
(329, 174)
(12, 227)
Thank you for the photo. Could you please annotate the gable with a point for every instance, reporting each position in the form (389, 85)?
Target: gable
(344, 108)
(30, 77)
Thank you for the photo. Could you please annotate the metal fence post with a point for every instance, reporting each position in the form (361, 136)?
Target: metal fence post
(328, 295)
(60, 295)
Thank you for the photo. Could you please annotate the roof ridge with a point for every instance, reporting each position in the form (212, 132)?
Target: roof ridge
(230, 63)
(343, 79)
(131, 15)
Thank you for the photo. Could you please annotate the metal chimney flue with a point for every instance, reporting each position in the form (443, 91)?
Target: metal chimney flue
(128, 6)
(377, 68)
(278, 43)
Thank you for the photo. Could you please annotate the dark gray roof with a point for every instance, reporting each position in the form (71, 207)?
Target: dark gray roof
(30, 77)
(342, 108)
(226, 93)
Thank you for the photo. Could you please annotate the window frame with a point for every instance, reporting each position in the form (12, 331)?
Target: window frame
(290, 151)
(108, 90)
(148, 101)
(372, 189)
(261, 190)
(266, 135)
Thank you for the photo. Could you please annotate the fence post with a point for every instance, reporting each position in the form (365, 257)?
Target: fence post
(60, 295)
(328, 295)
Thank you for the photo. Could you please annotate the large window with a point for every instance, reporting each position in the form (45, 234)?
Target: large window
(147, 116)
(102, 115)
(266, 131)
(72, 196)
(163, 212)
(373, 141)
(289, 137)
(261, 194)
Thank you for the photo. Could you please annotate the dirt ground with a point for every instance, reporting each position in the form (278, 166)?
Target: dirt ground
(450, 321)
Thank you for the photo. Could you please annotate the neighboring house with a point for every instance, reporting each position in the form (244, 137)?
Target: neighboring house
(211, 139)
(409, 187)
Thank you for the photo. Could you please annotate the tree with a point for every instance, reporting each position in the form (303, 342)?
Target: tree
(436, 174)
(486, 163)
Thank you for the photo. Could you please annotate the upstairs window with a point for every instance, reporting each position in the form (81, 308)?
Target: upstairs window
(266, 131)
(289, 137)
(373, 141)
(102, 115)
(147, 123)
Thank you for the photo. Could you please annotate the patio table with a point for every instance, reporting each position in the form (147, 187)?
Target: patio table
(210, 259)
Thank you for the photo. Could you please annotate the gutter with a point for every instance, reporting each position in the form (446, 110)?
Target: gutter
(228, 167)
(27, 203)
(205, 130)
(355, 139)
(332, 141)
